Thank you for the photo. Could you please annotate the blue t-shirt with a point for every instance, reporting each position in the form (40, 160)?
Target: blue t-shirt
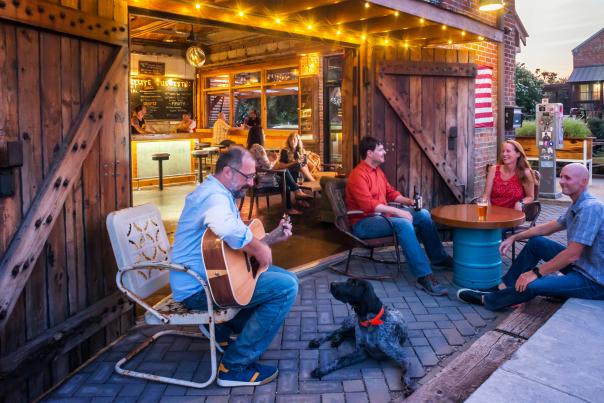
(584, 223)
(210, 205)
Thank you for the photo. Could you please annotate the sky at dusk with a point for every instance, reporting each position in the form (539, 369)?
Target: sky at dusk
(555, 27)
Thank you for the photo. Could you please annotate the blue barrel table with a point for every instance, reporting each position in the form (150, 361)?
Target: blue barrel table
(476, 242)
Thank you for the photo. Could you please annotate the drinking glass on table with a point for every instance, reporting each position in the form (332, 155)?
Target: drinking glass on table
(482, 204)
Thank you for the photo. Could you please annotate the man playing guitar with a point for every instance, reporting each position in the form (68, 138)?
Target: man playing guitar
(212, 205)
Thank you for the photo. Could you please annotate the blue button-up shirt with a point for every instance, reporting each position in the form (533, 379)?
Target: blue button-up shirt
(210, 205)
(584, 223)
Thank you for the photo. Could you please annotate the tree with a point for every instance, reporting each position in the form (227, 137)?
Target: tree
(529, 89)
(550, 77)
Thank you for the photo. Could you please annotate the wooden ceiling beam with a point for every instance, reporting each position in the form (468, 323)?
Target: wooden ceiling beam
(344, 12)
(383, 24)
(148, 28)
(172, 9)
(442, 16)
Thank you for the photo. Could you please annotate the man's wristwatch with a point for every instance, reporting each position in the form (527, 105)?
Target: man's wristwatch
(536, 271)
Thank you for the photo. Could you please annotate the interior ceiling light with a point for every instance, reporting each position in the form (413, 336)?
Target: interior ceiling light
(490, 5)
(196, 57)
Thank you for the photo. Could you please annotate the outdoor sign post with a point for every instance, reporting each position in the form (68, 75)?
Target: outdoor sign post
(549, 137)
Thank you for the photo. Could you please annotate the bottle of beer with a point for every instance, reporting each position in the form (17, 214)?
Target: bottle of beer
(417, 200)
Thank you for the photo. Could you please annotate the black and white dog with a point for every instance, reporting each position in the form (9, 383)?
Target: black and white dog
(379, 331)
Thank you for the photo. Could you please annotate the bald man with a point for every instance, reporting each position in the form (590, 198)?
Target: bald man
(581, 262)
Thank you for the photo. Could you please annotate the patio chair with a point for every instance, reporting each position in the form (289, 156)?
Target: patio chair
(335, 194)
(142, 252)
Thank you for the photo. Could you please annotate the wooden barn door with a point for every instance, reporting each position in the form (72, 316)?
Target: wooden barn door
(423, 110)
(63, 103)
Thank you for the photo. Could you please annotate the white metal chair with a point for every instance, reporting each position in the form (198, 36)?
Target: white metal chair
(142, 252)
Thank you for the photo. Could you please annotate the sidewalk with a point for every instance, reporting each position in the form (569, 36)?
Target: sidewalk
(561, 362)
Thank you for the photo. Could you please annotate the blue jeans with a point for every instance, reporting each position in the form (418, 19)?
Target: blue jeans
(407, 234)
(259, 321)
(571, 285)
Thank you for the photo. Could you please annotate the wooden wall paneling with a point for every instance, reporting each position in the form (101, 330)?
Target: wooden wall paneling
(35, 229)
(89, 63)
(68, 20)
(122, 147)
(451, 105)
(50, 47)
(349, 103)
(10, 207)
(428, 127)
(440, 192)
(376, 128)
(391, 122)
(469, 116)
(415, 114)
(403, 139)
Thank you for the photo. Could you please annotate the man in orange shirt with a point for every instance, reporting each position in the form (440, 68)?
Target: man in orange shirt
(369, 191)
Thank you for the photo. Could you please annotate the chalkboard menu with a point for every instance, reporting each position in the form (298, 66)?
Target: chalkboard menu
(165, 98)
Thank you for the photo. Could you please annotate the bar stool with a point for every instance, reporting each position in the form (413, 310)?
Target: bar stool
(200, 155)
(212, 150)
(160, 158)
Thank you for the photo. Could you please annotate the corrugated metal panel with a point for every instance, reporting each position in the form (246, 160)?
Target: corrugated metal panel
(586, 74)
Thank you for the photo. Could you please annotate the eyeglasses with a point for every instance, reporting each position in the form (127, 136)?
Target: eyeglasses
(247, 177)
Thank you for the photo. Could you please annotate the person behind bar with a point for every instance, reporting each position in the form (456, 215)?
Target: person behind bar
(137, 123)
(220, 129)
(510, 183)
(368, 190)
(581, 262)
(251, 119)
(186, 125)
(255, 136)
(212, 205)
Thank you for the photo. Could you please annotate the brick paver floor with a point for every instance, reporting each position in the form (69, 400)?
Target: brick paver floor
(438, 328)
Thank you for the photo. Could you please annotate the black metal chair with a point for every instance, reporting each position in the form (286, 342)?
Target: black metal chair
(260, 189)
(335, 193)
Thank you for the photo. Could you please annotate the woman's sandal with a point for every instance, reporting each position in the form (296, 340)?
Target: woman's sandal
(293, 211)
(303, 195)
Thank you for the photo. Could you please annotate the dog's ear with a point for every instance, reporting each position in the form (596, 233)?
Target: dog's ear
(372, 301)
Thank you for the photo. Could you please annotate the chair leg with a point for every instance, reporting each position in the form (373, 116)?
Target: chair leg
(513, 251)
(268, 205)
(249, 214)
(137, 350)
(241, 202)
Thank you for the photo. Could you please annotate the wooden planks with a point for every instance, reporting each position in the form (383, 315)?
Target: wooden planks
(67, 20)
(421, 135)
(436, 69)
(35, 228)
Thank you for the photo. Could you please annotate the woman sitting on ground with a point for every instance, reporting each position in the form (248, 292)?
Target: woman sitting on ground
(510, 183)
(264, 161)
(294, 159)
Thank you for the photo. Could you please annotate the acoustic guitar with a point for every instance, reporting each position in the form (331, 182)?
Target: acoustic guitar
(232, 274)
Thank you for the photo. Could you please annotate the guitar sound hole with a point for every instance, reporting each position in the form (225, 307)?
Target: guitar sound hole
(255, 266)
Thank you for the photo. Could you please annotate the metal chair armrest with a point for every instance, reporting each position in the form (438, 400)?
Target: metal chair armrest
(359, 212)
(159, 266)
(395, 204)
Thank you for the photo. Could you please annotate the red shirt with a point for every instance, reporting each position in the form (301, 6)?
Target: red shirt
(367, 188)
(506, 193)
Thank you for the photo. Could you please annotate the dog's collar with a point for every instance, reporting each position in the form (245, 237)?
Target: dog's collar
(375, 321)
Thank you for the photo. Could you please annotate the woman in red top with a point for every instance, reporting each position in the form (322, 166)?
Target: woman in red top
(510, 183)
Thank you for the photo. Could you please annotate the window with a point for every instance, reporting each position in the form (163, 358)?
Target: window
(282, 108)
(216, 103)
(243, 101)
(246, 78)
(589, 92)
(281, 75)
(217, 81)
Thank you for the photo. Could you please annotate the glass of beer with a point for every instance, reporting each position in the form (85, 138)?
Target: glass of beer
(482, 205)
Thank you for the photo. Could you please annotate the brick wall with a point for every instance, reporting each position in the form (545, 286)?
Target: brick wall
(590, 53)
(485, 53)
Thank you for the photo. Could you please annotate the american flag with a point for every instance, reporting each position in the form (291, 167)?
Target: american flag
(483, 102)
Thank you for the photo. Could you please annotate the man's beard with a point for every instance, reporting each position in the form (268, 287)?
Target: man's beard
(239, 193)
